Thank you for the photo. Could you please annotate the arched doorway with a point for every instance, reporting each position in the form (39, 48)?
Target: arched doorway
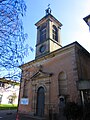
(40, 101)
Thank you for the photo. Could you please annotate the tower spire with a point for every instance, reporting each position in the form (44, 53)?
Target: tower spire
(48, 10)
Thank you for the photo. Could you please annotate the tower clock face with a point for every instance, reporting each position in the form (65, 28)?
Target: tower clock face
(42, 48)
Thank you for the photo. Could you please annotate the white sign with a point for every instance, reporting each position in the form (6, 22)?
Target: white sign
(24, 101)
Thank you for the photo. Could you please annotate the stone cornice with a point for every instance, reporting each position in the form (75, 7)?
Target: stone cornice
(60, 51)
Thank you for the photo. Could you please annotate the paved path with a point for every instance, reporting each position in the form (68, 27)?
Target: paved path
(8, 114)
(11, 115)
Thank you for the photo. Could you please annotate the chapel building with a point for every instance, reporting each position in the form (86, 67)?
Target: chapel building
(57, 75)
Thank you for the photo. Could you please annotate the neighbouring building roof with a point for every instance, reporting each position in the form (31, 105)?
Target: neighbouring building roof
(9, 81)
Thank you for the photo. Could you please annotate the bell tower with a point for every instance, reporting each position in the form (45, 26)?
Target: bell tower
(48, 34)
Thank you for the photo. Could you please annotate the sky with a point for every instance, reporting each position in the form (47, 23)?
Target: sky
(69, 12)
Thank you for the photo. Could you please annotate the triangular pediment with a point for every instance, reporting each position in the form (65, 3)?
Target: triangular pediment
(41, 74)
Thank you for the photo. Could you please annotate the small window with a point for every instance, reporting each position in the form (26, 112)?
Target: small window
(10, 101)
(0, 98)
(25, 90)
(2, 84)
(55, 33)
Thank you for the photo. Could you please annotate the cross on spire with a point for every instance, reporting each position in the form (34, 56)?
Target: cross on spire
(48, 5)
(48, 10)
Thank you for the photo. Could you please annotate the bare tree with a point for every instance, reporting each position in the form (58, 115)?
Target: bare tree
(12, 37)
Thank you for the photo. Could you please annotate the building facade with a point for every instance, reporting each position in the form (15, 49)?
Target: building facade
(9, 91)
(57, 75)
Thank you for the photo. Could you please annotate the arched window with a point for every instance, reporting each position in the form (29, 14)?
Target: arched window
(62, 83)
(43, 33)
(25, 89)
(54, 33)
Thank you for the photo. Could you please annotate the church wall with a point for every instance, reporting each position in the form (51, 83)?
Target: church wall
(67, 61)
(55, 64)
(58, 64)
(83, 63)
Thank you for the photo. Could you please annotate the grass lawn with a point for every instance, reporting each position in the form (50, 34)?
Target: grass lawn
(7, 106)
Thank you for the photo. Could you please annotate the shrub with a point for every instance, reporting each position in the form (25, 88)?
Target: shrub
(7, 106)
(73, 111)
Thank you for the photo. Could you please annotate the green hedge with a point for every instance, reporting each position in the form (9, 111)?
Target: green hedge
(7, 106)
